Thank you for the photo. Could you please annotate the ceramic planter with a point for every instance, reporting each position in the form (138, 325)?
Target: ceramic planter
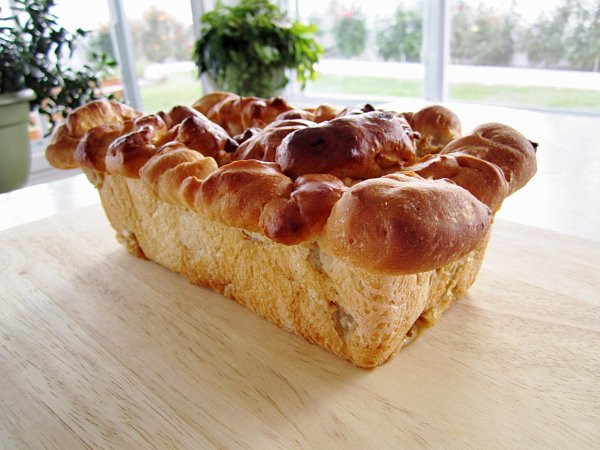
(209, 84)
(15, 155)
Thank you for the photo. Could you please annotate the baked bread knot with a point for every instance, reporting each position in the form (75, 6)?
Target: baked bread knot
(237, 193)
(403, 223)
(129, 152)
(91, 151)
(236, 114)
(200, 134)
(205, 103)
(176, 172)
(259, 113)
(116, 116)
(503, 146)
(324, 113)
(361, 146)
(481, 178)
(296, 114)
(321, 113)
(301, 217)
(437, 126)
(263, 144)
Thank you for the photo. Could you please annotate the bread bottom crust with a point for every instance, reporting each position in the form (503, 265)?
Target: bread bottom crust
(361, 316)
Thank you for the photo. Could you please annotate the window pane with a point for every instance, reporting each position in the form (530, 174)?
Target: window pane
(162, 40)
(531, 54)
(90, 16)
(371, 48)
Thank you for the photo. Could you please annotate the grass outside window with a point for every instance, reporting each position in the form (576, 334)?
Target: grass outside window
(184, 88)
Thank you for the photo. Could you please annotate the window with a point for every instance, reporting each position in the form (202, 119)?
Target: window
(371, 49)
(528, 54)
(162, 41)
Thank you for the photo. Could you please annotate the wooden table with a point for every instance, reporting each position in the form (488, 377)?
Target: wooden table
(100, 349)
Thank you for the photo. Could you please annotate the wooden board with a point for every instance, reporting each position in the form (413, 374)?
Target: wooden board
(100, 349)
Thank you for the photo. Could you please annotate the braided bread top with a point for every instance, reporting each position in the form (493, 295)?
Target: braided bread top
(388, 192)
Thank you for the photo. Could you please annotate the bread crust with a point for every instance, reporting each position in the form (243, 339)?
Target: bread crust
(503, 146)
(358, 146)
(387, 225)
(481, 178)
(402, 214)
(437, 126)
(60, 151)
(301, 216)
(237, 193)
(264, 143)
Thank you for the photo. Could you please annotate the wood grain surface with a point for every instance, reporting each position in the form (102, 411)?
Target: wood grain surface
(101, 350)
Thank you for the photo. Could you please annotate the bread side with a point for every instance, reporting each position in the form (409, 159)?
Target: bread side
(359, 315)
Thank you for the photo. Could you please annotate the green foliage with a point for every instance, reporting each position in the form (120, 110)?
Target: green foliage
(156, 29)
(350, 31)
(400, 39)
(159, 37)
(482, 35)
(33, 55)
(245, 48)
(100, 43)
(569, 36)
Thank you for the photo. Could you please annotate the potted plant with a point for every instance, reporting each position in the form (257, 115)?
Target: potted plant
(247, 47)
(34, 51)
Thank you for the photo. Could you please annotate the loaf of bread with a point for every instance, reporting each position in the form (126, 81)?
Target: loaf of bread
(354, 228)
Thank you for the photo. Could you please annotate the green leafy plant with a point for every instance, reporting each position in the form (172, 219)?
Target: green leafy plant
(350, 31)
(400, 39)
(34, 52)
(483, 34)
(245, 48)
(566, 37)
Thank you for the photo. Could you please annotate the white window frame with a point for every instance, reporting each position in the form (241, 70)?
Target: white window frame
(121, 41)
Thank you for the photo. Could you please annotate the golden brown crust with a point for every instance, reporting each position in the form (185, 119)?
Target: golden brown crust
(200, 134)
(301, 217)
(259, 113)
(236, 114)
(91, 150)
(167, 172)
(362, 316)
(128, 153)
(237, 193)
(359, 146)
(428, 211)
(60, 152)
(323, 113)
(294, 114)
(228, 114)
(437, 126)
(404, 224)
(264, 143)
(178, 114)
(208, 101)
(503, 146)
(482, 179)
